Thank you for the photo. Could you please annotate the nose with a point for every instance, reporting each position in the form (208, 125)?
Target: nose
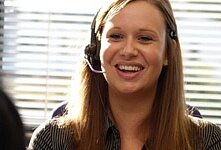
(129, 48)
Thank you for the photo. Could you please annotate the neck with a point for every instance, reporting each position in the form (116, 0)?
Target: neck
(130, 113)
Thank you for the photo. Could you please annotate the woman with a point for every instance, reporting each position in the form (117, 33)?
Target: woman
(131, 93)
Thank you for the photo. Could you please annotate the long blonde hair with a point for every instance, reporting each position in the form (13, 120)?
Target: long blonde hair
(171, 128)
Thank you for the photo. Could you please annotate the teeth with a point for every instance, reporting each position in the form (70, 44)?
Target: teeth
(129, 68)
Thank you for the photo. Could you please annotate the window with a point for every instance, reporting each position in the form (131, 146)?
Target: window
(41, 41)
(199, 27)
(40, 46)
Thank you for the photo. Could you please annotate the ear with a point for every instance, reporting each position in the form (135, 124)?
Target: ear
(169, 52)
(165, 63)
(166, 57)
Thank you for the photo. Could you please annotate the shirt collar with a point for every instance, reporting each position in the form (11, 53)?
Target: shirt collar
(109, 124)
(110, 127)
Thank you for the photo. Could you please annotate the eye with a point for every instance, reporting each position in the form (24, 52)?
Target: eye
(115, 37)
(145, 39)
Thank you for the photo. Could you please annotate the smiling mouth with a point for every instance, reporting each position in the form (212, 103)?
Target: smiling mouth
(129, 68)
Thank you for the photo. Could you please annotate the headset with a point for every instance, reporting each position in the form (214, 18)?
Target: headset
(92, 50)
(172, 34)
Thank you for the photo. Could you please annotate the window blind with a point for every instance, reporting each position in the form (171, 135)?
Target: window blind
(199, 26)
(40, 46)
(41, 42)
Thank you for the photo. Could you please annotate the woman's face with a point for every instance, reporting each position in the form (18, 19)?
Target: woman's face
(133, 48)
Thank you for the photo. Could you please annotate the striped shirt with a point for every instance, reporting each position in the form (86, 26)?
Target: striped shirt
(49, 136)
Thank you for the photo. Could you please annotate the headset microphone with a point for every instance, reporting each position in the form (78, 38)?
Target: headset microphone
(92, 69)
(92, 50)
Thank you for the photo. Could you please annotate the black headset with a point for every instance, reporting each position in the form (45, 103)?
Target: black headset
(92, 50)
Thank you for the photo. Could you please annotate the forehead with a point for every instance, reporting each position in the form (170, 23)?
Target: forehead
(140, 13)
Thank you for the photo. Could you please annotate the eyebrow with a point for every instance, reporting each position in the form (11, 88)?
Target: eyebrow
(148, 30)
(142, 29)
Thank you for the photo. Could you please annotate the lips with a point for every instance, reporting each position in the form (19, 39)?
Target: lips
(129, 68)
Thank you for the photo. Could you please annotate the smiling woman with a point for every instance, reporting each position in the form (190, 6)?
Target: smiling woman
(42, 41)
(136, 101)
(134, 45)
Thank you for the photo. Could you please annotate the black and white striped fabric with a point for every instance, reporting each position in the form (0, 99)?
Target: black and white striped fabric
(50, 136)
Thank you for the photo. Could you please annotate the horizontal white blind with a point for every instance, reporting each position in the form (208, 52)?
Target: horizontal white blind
(41, 41)
(39, 53)
(199, 27)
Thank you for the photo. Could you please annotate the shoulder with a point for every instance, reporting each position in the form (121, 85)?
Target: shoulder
(210, 133)
(52, 135)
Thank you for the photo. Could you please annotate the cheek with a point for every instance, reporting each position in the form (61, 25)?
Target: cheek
(108, 51)
(104, 50)
(155, 57)
(159, 55)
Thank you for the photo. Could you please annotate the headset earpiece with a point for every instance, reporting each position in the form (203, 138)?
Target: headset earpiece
(90, 52)
(172, 34)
